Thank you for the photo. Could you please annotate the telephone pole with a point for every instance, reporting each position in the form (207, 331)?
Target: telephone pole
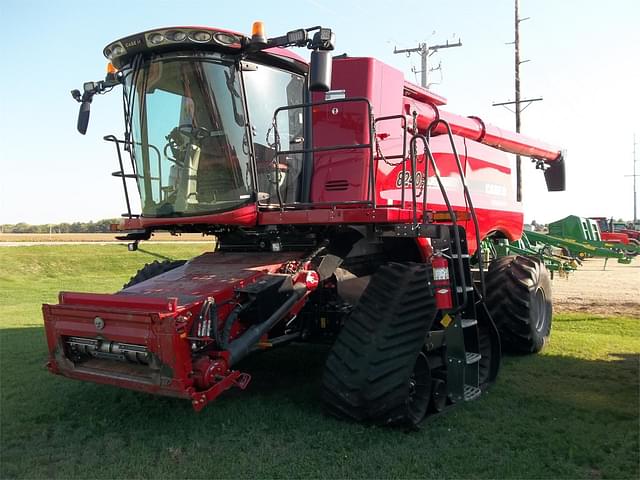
(518, 101)
(635, 193)
(425, 51)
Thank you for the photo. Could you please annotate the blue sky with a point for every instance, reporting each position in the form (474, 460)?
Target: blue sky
(585, 62)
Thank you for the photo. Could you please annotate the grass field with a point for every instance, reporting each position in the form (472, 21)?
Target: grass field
(94, 237)
(572, 412)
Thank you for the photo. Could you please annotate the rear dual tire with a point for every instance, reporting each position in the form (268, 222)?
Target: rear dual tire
(519, 300)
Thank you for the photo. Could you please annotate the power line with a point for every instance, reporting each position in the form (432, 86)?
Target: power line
(425, 51)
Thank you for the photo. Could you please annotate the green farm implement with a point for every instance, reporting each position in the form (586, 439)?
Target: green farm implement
(554, 258)
(579, 238)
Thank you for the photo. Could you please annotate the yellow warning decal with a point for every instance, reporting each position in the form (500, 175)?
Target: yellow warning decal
(446, 320)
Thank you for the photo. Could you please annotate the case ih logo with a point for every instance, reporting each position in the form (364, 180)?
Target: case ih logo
(132, 43)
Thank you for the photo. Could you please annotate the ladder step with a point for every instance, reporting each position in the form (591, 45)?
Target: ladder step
(455, 255)
(468, 322)
(468, 289)
(471, 392)
(473, 357)
(125, 175)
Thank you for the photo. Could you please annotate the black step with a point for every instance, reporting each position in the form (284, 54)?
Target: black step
(468, 289)
(468, 322)
(473, 357)
(471, 392)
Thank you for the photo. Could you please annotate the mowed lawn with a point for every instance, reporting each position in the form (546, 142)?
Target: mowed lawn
(571, 412)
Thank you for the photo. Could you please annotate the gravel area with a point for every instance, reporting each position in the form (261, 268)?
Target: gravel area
(614, 290)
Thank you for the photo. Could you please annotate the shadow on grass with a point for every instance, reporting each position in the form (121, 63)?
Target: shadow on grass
(547, 417)
(150, 253)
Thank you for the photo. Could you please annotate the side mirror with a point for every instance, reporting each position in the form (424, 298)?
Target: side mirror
(91, 89)
(83, 116)
(320, 71)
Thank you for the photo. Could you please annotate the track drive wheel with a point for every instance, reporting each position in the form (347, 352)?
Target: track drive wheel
(519, 300)
(376, 371)
(153, 269)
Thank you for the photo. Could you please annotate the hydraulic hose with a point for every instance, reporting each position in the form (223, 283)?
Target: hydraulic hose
(228, 324)
(240, 347)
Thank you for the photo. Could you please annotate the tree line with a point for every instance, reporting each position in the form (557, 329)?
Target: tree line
(101, 226)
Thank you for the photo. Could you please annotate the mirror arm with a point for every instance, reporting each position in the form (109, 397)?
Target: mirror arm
(95, 88)
(91, 89)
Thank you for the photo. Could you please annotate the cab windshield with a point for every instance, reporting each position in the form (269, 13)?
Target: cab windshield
(189, 136)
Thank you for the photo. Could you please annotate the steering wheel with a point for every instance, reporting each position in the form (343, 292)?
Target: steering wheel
(178, 140)
(194, 133)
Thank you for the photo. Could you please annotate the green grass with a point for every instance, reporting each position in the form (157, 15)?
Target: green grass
(572, 412)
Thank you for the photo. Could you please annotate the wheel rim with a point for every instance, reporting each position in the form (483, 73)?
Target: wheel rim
(539, 309)
(419, 390)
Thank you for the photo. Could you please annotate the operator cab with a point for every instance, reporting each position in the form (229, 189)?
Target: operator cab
(194, 137)
(199, 116)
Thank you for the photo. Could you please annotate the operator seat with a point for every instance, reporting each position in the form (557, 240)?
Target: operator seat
(215, 176)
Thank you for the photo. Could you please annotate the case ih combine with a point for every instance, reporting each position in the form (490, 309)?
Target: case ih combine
(348, 208)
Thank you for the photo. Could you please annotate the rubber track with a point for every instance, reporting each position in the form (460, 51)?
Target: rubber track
(153, 269)
(484, 346)
(510, 281)
(367, 372)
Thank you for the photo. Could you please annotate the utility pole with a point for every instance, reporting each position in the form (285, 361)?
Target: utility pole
(635, 193)
(425, 51)
(518, 101)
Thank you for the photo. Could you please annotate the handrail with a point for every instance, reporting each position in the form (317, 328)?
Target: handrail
(403, 155)
(112, 138)
(445, 197)
(124, 176)
(467, 196)
(371, 192)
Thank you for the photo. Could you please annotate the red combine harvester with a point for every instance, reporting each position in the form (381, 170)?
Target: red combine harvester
(348, 208)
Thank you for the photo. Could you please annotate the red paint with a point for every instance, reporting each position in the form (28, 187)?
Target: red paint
(131, 301)
(474, 128)
(144, 315)
(309, 278)
(614, 237)
(244, 216)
